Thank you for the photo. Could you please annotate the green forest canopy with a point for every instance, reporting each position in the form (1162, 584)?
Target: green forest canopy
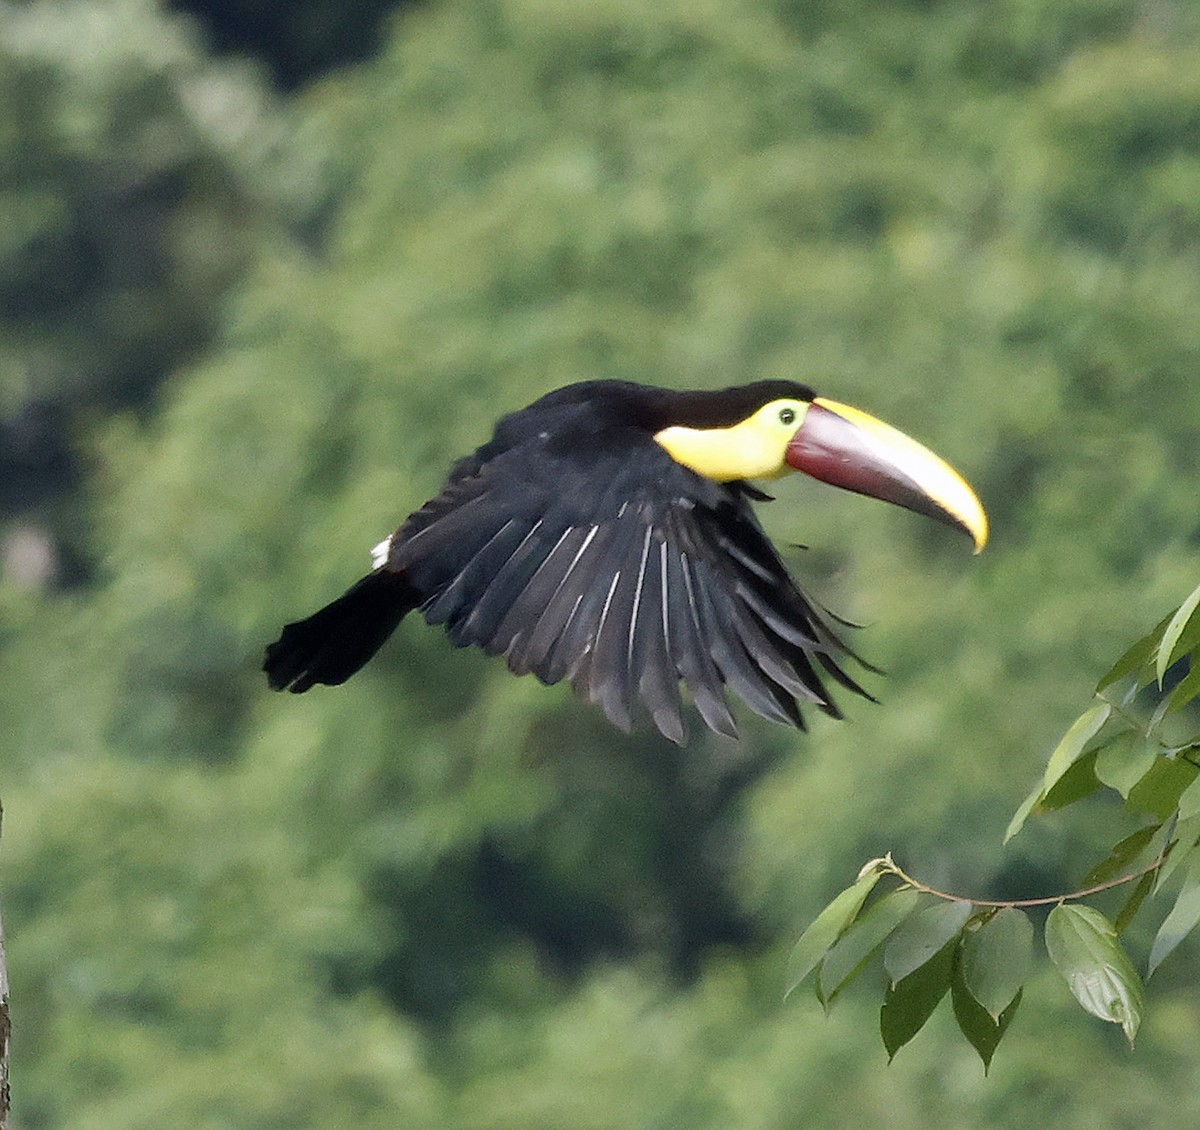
(255, 330)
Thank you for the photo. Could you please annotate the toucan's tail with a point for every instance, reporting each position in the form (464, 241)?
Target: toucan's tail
(332, 644)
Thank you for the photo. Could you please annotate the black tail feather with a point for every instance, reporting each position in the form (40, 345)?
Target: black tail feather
(335, 642)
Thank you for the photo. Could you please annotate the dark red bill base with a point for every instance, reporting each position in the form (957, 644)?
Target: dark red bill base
(849, 449)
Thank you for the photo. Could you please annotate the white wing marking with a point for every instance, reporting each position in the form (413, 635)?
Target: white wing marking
(666, 604)
(637, 597)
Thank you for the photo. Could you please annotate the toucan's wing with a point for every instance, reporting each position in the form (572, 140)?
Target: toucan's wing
(603, 561)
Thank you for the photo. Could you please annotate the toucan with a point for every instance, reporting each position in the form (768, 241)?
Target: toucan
(605, 535)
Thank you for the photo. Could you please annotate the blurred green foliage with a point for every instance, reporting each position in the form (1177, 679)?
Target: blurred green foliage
(138, 177)
(441, 896)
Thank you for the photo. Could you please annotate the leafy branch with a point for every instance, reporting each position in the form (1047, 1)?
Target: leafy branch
(1133, 739)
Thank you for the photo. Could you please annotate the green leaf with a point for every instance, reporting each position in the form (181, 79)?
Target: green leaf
(847, 959)
(910, 1001)
(1188, 688)
(1071, 747)
(1124, 761)
(1183, 840)
(981, 1029)
(1161, 710)
(923, 935)
(1160, 790)
(1171, 646)
(826, 928)
(1121, 856)
(1022, 813)
(1085, 949)
(1134, 903)
(1182, 920)
(1137, 656)
(1189, 801)
(1078, 781)
(995, 959)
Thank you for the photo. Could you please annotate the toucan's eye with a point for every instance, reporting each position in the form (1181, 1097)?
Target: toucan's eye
(787, 415)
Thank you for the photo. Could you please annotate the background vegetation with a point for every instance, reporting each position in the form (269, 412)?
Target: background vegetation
(250, 309)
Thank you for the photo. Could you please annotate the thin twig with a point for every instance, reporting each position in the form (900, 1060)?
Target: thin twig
(889, 866)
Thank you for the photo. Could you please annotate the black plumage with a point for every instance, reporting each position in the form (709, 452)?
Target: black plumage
(575, 546)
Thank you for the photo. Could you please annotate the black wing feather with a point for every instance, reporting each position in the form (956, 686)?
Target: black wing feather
(603, 676)
(552, 605)
(690, 651)
(482, 623)
(651, 661)
(535, 600)
(718, 628)
(562, 652)
(471, 581)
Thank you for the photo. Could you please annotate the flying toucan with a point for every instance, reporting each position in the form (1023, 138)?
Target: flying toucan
(605, 535)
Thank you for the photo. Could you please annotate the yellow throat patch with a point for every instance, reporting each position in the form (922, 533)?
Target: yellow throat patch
(751, 449)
